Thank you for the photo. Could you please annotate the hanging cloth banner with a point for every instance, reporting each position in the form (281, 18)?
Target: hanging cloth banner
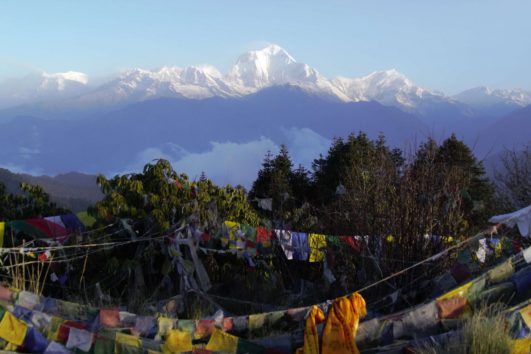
(521, 218)
(295, 245)
(339, 335)
(2, 232)
(286, 242)
(317, 245)
(12, 329)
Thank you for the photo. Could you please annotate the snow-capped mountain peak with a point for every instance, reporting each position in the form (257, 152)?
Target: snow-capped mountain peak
(273, 66)
(265, 67)
(267, 56)
(274, 50)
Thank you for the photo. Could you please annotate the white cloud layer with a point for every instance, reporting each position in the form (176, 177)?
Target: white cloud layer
(305, 145)
(238, 163)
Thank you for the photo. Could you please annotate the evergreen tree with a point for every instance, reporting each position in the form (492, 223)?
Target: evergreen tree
(262, 185)
(477, 192)
(287, 187)
(354, 185)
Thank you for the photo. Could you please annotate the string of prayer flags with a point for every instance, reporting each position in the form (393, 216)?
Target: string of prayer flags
(21, 327)
(58, 227)
(299, 246)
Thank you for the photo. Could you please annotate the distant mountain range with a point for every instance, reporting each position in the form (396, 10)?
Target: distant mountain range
(53, 123)
(111, 141)
(253, 71)
(74, 191)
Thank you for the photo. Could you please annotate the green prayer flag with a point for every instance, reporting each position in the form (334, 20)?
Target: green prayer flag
(104, 341)
(249, 231)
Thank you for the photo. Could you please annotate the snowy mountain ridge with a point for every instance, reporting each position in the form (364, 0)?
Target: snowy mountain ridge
(253, 71)
(483, 95)
(42, 86)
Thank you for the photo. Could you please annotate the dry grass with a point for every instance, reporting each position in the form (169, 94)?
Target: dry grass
(485, 332)
(24, 271)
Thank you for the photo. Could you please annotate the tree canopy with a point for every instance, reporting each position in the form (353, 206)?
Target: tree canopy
(161, 198)
(33, 202)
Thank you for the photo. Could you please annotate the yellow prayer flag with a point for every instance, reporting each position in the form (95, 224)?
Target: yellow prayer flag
(232, 228)
(178, 341)
(461, 291)
(526, 315)
(222, 342)
(231, 225)
(2, 232)
(165, 325)
(522, 346)
(317, 243)
(125, 339)
(256, 321)
(12, 329)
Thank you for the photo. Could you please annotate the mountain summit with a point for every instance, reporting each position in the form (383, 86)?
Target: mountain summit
(262, 68)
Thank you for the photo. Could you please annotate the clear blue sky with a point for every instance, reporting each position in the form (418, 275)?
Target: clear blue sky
(448, 45)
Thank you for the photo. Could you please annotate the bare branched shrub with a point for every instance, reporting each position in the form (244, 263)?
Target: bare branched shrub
(513, 179)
